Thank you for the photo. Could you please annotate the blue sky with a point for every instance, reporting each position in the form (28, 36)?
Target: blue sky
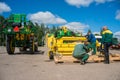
(78, 15)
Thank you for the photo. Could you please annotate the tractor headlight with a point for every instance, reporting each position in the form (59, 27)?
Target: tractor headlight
(9, 30)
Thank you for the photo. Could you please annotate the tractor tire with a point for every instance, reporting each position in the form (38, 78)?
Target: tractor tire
(36, 48)
(10, 45)
(51, 55)
(32, 46)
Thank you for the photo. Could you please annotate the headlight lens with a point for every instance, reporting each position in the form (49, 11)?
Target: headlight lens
(9, 30)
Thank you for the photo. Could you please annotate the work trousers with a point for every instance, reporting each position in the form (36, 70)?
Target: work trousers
(106, 51)
(83, 57)
(93, 45)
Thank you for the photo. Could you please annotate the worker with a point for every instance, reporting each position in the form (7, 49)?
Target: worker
(107, 36)
(91, 38)
(80, 52)
(64, 28)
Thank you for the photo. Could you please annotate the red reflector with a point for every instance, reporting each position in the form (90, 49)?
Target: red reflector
(16, 29)
(3, 26)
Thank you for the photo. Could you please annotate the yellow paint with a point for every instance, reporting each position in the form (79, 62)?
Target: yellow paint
(107, 31)
(64, 45)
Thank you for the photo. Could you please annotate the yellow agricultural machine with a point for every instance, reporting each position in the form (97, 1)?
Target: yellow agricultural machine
(63, 46)
(63, 43)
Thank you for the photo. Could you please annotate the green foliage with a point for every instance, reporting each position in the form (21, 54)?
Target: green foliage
(53, 29)
(2, 20)
(2, 36)
(97, 34)
(40, 32)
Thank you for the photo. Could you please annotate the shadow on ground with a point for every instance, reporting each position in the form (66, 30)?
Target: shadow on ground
(29, 53)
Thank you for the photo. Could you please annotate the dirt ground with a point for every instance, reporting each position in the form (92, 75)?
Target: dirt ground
(39, 67)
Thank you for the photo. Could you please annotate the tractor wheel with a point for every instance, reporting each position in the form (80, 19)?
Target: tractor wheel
(36, 48)
(32, 46)
(10, 45)
(51, 55)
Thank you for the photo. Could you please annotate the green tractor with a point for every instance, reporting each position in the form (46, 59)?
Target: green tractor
(19, 33)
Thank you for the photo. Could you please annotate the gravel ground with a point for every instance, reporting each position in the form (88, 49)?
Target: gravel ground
(39, 67)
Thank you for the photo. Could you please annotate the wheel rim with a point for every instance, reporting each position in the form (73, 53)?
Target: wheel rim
(11, 46)
(33, 48)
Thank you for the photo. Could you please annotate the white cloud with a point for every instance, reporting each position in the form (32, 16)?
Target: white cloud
(117, 33)
(85, 3)
(102, 1)
(79, 3)
(4, 8)
(117, 15)
(46, 17)
(96, 33)
(77, 26)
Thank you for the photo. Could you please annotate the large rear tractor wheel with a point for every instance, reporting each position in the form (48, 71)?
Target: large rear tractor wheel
(10, 45)
(32, 46)
(36, 47)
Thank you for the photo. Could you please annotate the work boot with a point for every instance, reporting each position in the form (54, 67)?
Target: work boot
(82, 62)
(93, 53)
(106, 62)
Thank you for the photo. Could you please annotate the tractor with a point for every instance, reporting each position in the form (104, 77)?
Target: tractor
(20, 33)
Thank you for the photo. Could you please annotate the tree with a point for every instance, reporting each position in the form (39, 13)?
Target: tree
(40, 33)
(2, 36)
(2, 20)
(53, 29)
